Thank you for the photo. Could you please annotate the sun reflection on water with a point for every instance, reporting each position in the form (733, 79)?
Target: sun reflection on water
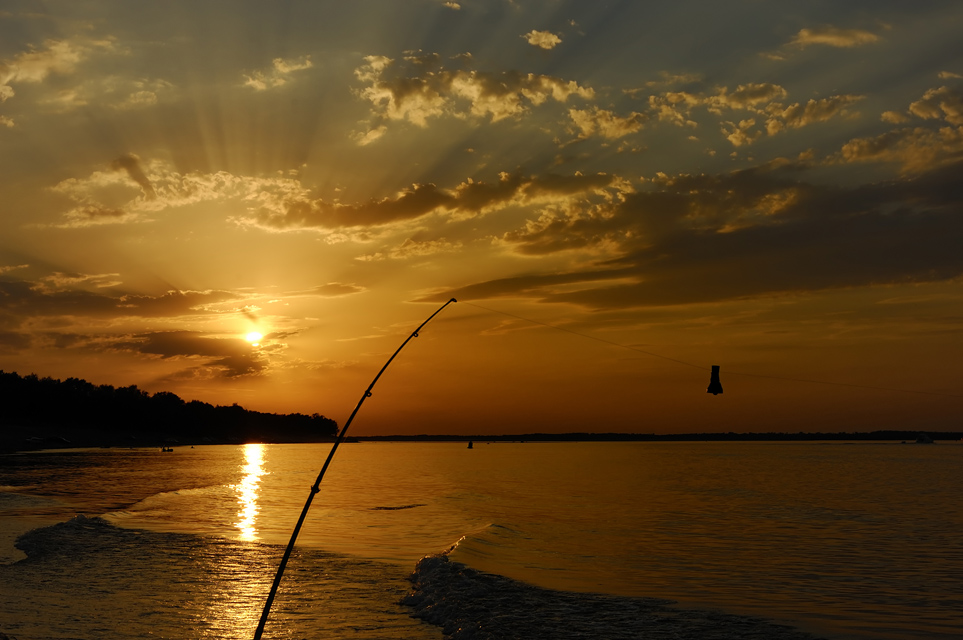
(247, 491)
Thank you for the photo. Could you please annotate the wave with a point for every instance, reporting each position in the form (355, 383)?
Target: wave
(404, 506)
(85, 578)
(473, 605)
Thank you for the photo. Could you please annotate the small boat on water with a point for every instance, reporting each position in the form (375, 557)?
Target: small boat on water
(471, 445)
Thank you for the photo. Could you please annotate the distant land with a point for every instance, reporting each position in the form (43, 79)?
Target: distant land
(908, 436)
(46, 413)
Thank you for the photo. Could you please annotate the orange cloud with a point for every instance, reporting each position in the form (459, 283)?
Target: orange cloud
(943, 102)
(605, 123)
(796, 115)
(915, 149)
(418, 97)
(542, 39)
(278, 75)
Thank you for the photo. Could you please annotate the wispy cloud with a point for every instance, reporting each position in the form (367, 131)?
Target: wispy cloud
(833, 36)
(411, 248)
(55, 57)
(278, 74)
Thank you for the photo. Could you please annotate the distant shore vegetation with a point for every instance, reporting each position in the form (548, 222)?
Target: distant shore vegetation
(42, 413)
(46, 412)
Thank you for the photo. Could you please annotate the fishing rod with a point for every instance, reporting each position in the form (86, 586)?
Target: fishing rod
(315, 488)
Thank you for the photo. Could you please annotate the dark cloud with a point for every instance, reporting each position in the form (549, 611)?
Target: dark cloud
(131, 164)
(469, 198)
(300, 214)
(746, 234)
(233, 357)
(26, 299)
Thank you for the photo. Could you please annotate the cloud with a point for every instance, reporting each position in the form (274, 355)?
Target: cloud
(59, 280)
(337, 289)
(943, 102)
(284, 204)
(742, 133)
(414, 202)
(136, 94)
(667, 79)
(762, 99)
(58, 295)
(114, 92)
(468, 199)
(605, 123)
(107, 197)
(56, 57)
(542, 39)
(755, 233)
(414, 249)
(746, 96)
(674, 107)
(915, 149)
(946, 75)
(796, 116)
(833, 37)
(894, 117)
(278, 75)
(421, 95)
(130, 164)
(231, 357)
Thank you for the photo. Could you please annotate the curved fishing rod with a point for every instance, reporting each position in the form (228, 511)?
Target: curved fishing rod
(315, 488)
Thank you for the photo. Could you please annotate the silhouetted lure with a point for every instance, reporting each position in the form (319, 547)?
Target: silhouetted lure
(715, 387)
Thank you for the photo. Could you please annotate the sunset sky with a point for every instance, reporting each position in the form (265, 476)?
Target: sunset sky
(620, 194)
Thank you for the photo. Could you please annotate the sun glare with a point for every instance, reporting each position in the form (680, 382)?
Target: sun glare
(254, 338)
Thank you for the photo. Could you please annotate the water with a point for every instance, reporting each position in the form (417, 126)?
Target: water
(554, 540)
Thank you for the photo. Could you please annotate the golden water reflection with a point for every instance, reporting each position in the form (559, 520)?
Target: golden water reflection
(247, 491)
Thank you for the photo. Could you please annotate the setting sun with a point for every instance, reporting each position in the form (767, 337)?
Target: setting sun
(254, 338)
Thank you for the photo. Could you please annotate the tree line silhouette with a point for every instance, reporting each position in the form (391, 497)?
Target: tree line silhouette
(75, 407)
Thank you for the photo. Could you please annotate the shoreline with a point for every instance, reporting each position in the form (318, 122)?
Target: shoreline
(17, 439)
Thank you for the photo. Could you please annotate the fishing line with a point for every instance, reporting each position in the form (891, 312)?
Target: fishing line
(728, 373)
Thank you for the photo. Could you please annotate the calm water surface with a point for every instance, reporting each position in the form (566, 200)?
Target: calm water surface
(858, 541)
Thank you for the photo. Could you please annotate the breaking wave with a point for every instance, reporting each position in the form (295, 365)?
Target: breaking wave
(473, 605)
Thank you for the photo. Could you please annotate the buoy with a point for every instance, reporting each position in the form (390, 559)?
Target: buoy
(715, 387)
